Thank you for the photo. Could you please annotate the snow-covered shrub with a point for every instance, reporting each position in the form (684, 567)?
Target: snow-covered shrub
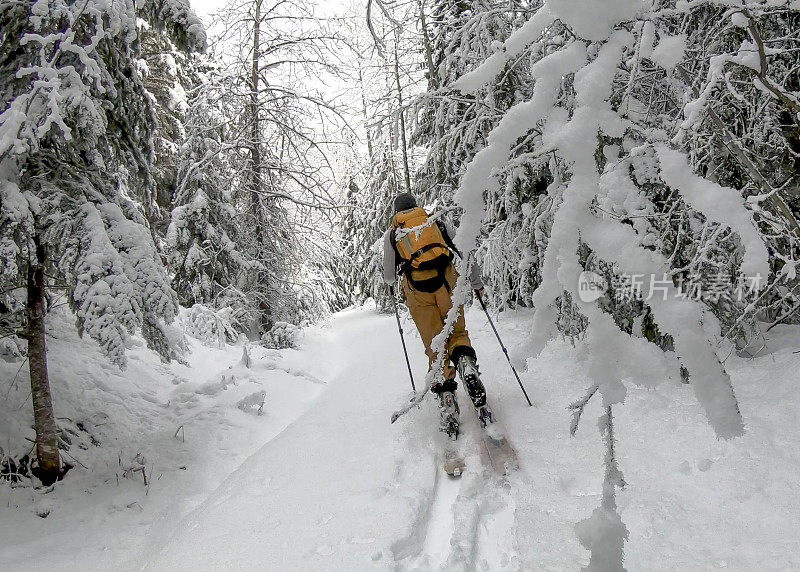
(212, 327)
(253, 404)
(283, 335)
(12, 349)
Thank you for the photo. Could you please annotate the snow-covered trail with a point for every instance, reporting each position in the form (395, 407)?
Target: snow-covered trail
(337, 488)
(342, 488)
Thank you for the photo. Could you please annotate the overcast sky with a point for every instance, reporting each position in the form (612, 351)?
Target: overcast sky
(205, 8)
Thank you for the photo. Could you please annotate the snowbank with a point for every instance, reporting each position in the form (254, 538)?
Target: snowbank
(181, 429)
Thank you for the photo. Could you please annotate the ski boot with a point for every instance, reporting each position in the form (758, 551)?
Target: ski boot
(448, 408)
(484, 416)
(468, 370)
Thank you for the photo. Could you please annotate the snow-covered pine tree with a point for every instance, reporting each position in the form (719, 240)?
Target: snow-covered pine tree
(341, 264)
(453, 126)
(202, 251)
(163, 68)
(75, 156)
(367, 220)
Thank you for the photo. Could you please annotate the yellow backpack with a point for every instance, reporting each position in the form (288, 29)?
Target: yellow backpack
(421, 245)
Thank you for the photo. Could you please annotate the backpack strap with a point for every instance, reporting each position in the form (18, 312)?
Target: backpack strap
(425, 249)
(448, 241)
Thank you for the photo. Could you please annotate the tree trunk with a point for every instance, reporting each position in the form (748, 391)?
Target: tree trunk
(402, 127)
(256, 182)
(255, 128)
(46, 431)
(433, 79)
(370, 152)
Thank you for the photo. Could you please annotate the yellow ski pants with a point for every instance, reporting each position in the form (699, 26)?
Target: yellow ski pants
(429, 310)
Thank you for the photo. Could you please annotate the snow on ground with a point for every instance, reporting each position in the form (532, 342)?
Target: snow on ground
(323, 481)
(189, 427)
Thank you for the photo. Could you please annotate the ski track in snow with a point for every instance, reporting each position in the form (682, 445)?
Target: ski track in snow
(469, 521)
(436, 548)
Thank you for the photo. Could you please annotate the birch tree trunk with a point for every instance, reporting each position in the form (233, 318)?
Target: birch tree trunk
(44, 419)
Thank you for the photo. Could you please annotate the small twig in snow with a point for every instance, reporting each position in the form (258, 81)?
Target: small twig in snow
(577, 408)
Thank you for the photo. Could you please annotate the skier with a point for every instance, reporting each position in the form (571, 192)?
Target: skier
(425, 257)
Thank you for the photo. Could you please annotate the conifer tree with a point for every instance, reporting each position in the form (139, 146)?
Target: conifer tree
(368, 219)
(452, 126)
(75, 158)
(203, 238)
(164, 75)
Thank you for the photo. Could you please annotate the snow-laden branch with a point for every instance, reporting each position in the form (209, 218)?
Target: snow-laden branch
(571, 134)
(479, 174)
(511, 48)
(719, 204)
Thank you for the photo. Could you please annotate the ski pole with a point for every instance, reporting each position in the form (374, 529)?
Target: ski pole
(402, 339)
(505, 351)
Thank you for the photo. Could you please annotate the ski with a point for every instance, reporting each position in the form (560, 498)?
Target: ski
(454, 463)
(415, 400)
(502, 455)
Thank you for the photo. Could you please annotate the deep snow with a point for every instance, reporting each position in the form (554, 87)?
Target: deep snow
(323, 481)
